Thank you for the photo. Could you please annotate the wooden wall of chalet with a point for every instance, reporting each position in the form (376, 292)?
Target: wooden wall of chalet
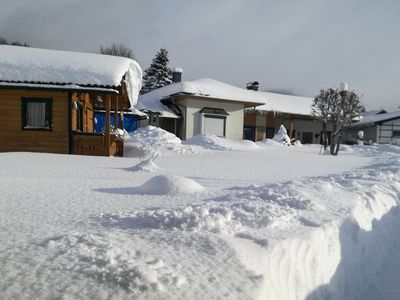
(88, 112)
(14, 138)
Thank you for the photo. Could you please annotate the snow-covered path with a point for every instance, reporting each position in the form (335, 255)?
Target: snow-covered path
(77, 227)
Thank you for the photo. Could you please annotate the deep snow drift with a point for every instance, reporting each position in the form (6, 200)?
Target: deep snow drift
(256, 222)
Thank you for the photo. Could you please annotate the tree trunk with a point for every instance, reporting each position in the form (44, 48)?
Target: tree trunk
(324, 136)
(333, 138)
(339, 141)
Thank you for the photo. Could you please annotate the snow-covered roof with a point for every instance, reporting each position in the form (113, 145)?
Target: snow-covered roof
(154, 105)
(376, 119)
(219, 90)
(373, 113)
(205, 87)
(287, 104)
(54, 67)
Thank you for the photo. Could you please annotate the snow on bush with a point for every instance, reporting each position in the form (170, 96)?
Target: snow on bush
(154, 135)
(147, 165)
(170, 185)
(151, 141)
(214, 142)
(281, 136)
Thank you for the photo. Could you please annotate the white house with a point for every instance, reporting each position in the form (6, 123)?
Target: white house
(203, 106)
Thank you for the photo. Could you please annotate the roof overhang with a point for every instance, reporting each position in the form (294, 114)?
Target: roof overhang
(181, 96)
(58, 87)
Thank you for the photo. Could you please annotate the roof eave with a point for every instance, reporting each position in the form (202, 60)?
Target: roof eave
(55, 87)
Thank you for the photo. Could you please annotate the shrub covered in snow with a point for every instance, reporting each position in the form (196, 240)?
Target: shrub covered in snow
(281, 136)
(147, 142)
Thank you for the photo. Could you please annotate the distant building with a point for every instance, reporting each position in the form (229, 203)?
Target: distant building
(208, 106)
(378, 127)
(294, 112)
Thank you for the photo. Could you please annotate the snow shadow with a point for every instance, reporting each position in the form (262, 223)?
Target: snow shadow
(365, 256)
(121, 191)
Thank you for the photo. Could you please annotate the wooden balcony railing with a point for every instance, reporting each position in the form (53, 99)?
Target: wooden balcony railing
(88, 144)
(94, 144)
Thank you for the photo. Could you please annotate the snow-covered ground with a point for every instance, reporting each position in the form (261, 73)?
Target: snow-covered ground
(208, 219)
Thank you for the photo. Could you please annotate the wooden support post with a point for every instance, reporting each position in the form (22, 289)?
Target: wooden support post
(107, 133)
(116, 112)
(122, 120)
(291, 128)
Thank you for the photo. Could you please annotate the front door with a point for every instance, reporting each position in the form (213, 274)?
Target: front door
(307, 138)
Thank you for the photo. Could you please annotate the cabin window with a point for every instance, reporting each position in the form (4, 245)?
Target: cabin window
(37, 114)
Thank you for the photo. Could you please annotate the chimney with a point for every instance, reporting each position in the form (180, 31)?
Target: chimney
(253, 85)
(177, 74)
(344, 86)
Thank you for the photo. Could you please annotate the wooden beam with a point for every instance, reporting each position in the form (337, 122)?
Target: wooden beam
(116, 112)
(291, 128)
(122, 120)
(107, 132)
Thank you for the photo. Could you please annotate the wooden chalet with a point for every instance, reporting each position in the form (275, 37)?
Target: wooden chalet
(48, 98)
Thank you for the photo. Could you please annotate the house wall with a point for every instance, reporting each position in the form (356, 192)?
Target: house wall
(14, 138)
(88, 112)
(370, 134)
(385, 132)
(263, 120)
(376, 133)
(234, 122)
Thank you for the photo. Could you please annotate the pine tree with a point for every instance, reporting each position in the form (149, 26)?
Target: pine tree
(158, 74)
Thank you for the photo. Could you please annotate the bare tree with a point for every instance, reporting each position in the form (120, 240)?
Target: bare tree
(3, 41)
(322, 110)
(339, 108)
(348, 108)
(117, 49)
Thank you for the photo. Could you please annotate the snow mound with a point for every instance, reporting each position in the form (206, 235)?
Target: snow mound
(346, 148)
(189, 218)
(297, 143)
(269, 142)
(110, 261)
(170, 185)
(152, 135)
(214, 142)
(270, 206)
(281, 136)
(151, 141)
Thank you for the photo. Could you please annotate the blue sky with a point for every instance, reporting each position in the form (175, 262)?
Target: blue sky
(297, 46)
